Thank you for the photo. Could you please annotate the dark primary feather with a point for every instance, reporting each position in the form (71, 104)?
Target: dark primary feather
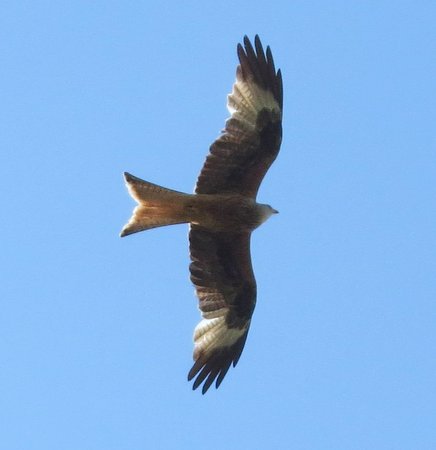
(216, 365)
(223, 276)
(240, 157)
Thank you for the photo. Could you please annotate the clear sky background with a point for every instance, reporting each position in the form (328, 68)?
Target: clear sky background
(96, 331)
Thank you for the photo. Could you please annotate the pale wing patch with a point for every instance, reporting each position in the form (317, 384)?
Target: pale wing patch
(212, 334)
(247, 100)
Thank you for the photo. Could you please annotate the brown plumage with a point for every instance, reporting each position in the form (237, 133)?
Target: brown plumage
(223, 212)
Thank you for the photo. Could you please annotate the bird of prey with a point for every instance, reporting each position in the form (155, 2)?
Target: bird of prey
(223, 212)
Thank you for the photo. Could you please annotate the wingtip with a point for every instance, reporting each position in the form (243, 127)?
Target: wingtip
(240, 51)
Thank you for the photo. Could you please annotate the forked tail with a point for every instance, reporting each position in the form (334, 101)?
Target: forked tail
(157, 206)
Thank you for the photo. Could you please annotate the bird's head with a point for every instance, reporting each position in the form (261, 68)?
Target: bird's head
(266, 211)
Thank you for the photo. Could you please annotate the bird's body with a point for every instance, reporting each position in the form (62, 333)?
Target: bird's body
(223, 212)
(218, 212)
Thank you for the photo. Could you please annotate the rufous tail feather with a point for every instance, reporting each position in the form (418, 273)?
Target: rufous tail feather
(157, 206)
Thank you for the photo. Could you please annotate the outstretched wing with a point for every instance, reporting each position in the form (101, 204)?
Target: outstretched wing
(223, 277)
(250, 142)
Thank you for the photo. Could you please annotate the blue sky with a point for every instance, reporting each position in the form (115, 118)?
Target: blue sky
(96, 331)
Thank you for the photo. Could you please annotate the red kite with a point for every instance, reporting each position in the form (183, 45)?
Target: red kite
(223, 212)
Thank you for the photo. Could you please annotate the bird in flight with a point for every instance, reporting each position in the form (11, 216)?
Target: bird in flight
(223, 212)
